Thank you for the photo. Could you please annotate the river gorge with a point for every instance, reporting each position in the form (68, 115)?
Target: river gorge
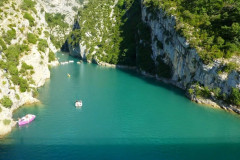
(124, 116)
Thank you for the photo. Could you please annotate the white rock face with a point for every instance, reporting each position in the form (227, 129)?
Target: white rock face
(37, 59)
(61, 6)
(185, 62)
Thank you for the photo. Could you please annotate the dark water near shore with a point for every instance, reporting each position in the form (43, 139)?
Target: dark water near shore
(124, 116)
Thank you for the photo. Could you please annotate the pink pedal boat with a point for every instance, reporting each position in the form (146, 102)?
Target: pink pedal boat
(26, 119)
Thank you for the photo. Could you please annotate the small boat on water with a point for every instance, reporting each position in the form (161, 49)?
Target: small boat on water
(78, 103)
(68, 75)
(26, 119)
(63, 63)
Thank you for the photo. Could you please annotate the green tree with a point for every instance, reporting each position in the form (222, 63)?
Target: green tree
(32, 38)
(30, 19)
(235, 96)
(6, 101)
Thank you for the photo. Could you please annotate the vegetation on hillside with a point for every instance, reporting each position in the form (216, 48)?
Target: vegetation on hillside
(32, 38)
(2, 2)
(42, 45)
(6, 122)
(110, 32)
(19, 73)
(204, 92)
(28, 5)
(56, 22)
(30, 19)
(6, 102)
(115, 33)
(212, 27)
(10, 35)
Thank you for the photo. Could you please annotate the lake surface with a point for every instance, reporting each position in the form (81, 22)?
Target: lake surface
(124, 116)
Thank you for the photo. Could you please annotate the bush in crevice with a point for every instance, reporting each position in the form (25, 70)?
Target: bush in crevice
(30, 19)
(28, 4)
(6, 101)
(11, 34)
(51, 56)
(2, 44)
(32, 38)
(42, 45)
(234, 97)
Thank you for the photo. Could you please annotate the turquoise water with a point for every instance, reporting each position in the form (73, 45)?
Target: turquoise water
(124, 116)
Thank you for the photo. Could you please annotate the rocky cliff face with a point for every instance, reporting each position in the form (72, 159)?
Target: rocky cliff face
(187, 68)
(13, 17)
(73, 49)
(170, 52)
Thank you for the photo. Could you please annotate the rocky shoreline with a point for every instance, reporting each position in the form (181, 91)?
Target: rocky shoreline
(26, 99)
(117, 66)
(36, 56)
(213, 102)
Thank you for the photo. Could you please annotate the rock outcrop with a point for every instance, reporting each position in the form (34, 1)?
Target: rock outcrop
(170, 52)
(186, 64)
(13, 17)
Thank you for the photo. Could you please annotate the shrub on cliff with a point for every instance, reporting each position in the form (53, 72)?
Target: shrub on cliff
(13, 70)
(204, 92)
(32, 38)
(235, 96)
(6, 122)
(28, 4)
(51, 56)
(23, 84)
(54, 20)
(11, 34)
(6, 101)
(230, 67)
(42, 45)
(55, 41)
(2, 2)
(12, 53)
(2, 44)
(24, 68)
(30, 19)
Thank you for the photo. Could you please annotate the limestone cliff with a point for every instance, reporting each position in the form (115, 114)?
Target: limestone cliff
(32, 36)
(160, 51)
(186, 66)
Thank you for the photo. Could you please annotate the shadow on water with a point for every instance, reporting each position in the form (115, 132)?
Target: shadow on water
(131, 20)
(155, 82)
(138, 152)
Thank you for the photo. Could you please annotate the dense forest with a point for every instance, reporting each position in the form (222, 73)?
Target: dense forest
(211, 26)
